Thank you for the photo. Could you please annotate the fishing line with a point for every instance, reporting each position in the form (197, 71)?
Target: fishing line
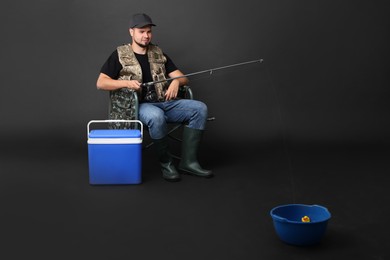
(284, 135)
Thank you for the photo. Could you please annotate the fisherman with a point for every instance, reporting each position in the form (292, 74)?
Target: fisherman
(141, 61)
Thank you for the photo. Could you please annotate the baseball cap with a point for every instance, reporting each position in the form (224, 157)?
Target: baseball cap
(140, 20)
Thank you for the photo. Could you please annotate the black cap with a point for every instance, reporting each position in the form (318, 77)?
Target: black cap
(140, 20)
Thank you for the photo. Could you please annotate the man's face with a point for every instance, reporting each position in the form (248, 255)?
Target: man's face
(142, 36)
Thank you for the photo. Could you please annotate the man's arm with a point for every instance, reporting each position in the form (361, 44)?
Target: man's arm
(175, 84)
(177, 73)
(104, 82)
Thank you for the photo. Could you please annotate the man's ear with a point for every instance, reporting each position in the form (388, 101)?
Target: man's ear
(131, 31)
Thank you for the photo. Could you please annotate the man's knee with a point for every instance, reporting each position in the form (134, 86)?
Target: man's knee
(152, 117)
(202, 110)
(155, 120)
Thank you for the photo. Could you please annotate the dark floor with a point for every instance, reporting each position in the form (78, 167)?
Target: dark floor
(49, 210)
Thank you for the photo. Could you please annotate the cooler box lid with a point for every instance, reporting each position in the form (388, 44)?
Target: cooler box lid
(116, 136)
(115, 133)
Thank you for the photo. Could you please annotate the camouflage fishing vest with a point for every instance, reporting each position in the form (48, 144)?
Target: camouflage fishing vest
(122, 100)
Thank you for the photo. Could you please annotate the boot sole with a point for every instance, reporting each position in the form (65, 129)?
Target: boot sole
(194, 174)
(172, 180)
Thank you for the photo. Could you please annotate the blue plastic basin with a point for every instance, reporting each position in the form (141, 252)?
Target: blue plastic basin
(287, 220)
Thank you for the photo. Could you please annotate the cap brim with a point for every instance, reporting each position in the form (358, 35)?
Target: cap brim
(144, 25)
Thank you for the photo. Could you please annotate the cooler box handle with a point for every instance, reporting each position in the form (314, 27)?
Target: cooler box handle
(116, 120)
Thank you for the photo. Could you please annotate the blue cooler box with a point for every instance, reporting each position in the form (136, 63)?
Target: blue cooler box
(115, 155)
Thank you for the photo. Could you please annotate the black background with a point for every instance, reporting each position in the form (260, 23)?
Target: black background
(308, 125)
(324, 77)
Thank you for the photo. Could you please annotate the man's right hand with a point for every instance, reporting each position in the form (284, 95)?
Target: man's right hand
(133, 84)
(104, 82)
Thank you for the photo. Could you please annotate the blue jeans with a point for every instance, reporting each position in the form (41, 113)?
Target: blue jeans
(156, 116)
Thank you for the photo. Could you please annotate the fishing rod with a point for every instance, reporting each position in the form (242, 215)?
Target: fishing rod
(146, 84)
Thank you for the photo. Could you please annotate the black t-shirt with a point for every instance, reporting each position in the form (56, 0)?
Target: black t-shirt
(112, 66)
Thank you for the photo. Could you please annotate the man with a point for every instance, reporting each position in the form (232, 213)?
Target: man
(132, 64)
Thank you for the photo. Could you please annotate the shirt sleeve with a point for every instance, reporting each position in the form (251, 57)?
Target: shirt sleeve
(112, 66)
(169, 65)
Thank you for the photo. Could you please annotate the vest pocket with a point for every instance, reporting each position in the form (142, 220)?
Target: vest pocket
(122, 107)
(122, 98)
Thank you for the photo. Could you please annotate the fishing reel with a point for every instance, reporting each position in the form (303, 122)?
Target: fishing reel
(149, 93)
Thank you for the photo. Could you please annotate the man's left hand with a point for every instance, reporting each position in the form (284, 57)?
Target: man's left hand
(172, 90)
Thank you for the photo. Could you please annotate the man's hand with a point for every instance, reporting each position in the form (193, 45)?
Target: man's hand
(172, 90)
(106, 83)
(133, 84)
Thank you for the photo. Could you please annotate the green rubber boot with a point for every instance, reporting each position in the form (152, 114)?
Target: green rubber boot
(168, 170)
(189, 162)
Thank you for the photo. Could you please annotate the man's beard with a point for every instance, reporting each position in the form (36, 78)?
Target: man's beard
(141, 45)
